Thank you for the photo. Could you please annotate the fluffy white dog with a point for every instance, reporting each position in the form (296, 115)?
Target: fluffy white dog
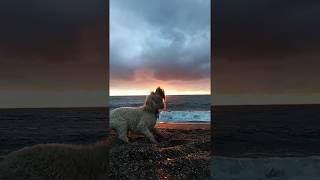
(138, 119)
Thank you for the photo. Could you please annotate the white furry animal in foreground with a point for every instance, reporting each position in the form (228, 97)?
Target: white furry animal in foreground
(138, 119)
(56, 161)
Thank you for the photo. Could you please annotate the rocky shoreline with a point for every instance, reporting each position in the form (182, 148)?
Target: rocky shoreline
(182, 154)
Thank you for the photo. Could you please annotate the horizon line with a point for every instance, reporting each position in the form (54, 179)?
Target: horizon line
(166, 95)
(108, 106)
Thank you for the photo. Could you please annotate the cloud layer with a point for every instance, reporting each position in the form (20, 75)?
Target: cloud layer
(167, 40)
(266, 47)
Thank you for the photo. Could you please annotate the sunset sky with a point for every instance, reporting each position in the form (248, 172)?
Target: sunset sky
(164, 43)
(53, 53)
(266, 52)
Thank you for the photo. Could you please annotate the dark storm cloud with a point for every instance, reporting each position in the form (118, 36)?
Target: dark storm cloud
(171, 38)
(264, 29)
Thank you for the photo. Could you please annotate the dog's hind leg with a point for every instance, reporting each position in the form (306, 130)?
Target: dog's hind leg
(122, 133)
(123, 137)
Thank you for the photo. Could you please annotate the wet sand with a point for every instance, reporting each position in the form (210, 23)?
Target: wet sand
(183, 126)
(184, 153)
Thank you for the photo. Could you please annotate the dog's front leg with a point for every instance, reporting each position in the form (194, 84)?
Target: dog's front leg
(155, 130)
(158, 133)
(149, 135)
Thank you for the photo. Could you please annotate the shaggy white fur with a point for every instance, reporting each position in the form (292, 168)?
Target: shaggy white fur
(137, 119)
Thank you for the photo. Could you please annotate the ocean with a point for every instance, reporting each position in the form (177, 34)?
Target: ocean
(266, 142)
(29, 126)
(266, 130)
(173, 102)
(179, 108)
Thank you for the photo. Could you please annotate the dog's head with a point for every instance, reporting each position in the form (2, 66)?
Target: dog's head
(160, 92)
(154, 103)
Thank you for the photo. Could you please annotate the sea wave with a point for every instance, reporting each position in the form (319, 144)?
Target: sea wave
(185, 116)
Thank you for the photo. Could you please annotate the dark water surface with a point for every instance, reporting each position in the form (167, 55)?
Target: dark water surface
(25, 127)
(270, 130)
(174, 102)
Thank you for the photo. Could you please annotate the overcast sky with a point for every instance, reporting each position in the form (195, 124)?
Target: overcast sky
(163, 42)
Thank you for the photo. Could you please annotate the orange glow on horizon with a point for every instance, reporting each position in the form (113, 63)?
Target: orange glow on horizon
(140, 92)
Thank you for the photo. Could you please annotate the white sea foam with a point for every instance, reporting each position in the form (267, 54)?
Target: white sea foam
(184, 116)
